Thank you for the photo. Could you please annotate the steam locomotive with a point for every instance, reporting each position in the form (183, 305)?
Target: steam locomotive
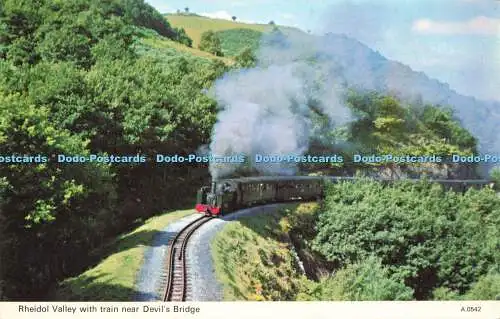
(228, 195)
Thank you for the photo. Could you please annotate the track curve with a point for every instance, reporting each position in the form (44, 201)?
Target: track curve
(176, 279)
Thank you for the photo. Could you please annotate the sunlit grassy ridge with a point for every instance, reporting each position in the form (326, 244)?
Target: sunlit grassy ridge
(196, 25)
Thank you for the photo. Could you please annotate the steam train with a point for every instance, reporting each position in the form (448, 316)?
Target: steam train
(228, 195)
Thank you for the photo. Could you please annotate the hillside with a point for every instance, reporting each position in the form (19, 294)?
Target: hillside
(361, 67)
(196, 25)
(234, 40)
(162, 44)
(114, 277)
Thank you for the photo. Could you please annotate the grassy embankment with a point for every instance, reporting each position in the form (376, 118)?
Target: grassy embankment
(253, 260)
(113, 279)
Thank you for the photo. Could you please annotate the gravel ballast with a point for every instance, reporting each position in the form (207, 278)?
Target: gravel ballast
(148, 283)
(202, 281)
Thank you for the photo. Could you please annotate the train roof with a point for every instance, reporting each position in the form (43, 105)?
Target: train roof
(259, 179)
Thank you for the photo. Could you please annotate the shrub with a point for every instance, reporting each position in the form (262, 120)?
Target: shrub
(363, 281)
(486, 288)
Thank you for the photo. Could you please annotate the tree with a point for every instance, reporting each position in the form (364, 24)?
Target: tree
(246, 58)
(234, 18)
(47, 223)
(186, 9)
(486, 288)
(139, 13)
(66, 45)
(272, 22)
(182, 37)
(210, 42)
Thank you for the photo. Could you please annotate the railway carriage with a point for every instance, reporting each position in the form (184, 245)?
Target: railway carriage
(256, 191)
(226, 196)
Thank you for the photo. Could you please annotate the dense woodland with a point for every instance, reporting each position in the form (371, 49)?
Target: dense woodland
(76, 78)
(408, 241)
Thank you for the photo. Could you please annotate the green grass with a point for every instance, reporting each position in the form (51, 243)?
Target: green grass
(196, 25)
(233, 41)
(253, 261)
(113, 279)
(163, 43)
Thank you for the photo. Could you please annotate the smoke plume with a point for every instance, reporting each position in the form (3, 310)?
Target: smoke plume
(270, 109)
(267, 110)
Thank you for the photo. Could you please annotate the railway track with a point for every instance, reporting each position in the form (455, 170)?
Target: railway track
(176, 280)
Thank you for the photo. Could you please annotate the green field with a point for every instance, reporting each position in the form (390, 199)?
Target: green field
(196, 25)
(114, 277)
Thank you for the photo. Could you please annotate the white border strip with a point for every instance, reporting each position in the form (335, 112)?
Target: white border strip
(253, 310)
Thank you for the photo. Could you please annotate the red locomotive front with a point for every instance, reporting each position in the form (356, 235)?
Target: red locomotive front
(206, 202)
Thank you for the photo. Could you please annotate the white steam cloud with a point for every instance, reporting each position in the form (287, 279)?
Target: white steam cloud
(267, 109)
